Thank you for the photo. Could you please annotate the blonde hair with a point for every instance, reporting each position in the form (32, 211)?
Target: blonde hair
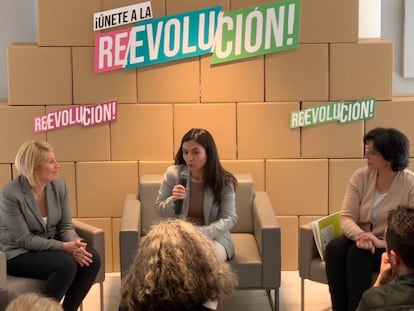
(33, 302)
(30, 155)
(175, 268)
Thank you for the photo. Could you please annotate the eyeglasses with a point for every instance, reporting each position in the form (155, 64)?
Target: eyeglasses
(369, 151)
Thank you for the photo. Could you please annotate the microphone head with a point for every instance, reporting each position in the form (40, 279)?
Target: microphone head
(184, 176)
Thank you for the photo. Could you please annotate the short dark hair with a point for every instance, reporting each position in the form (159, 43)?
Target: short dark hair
(400, 234)
(392, 144)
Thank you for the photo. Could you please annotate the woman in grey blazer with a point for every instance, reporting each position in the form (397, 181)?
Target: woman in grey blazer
(199, 189)
(37, 231)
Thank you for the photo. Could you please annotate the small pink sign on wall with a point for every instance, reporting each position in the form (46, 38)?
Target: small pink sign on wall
(85, 115)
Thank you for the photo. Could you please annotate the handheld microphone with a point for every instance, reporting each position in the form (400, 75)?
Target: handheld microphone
(183, 181)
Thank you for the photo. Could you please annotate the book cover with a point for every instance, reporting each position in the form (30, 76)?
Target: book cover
(325, 229)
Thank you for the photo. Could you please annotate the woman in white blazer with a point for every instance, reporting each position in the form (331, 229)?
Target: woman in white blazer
(203, 190)
(37, 231)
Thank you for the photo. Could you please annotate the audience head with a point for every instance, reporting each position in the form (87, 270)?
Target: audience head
(391, 144)
(33, 302)
(399, 235)
(175, 268)
(30, 155)
(5, 297)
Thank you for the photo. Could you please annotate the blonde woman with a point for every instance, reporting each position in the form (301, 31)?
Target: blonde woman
(38, 235)
(176, 269)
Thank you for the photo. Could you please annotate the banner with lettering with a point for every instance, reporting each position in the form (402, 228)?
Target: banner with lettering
(340, 112)
(238, 34)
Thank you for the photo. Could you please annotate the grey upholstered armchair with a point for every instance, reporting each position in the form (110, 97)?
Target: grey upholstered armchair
(311, 266)
(256, 235)
(93, 236)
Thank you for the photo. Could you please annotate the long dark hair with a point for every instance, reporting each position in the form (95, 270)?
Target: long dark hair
(215, 176)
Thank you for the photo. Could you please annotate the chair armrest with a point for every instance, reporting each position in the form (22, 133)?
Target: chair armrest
(307, 250)
(3, 270)
(130, 232)
(267, 235)
(95, 237)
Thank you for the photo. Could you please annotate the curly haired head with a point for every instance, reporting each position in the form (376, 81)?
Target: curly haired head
(175, 269)
(33, 302)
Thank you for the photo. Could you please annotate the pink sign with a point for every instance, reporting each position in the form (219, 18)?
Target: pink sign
(111, 49)
(85, 115)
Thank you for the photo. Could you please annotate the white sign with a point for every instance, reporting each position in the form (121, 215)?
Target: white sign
(122, 16)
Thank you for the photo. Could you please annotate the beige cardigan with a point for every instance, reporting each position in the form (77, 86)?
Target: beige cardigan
(359, 198)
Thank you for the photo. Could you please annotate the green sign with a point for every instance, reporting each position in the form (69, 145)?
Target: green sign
(258, 30)
(334, 112)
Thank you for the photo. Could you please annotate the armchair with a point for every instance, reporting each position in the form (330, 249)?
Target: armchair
(93, 236)
(311, 266)
(256, 235)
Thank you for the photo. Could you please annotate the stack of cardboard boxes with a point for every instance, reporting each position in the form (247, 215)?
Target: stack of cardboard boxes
(245, 104)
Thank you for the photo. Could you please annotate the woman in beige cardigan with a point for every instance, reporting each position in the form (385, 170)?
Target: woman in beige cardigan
(372, 191)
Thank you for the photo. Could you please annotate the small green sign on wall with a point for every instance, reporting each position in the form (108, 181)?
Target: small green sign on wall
(334, 112)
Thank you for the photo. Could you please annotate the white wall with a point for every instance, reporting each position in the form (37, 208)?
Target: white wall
(18, 23)
(392, 27)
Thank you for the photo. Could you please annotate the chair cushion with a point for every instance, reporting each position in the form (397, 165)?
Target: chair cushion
(24, 285)
(246, 260)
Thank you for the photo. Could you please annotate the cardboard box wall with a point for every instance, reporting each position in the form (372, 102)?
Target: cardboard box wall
(245, 104)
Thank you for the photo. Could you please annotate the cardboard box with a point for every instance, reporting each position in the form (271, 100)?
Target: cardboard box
(16, 126)
(298, 75)
(143, 132)
(239, 4)
(106, 225)
(256, 168)
(67, 172)
(39, 75)
(153, 167)
(218, 119)
(5, 174)
(327, 140)
(298, 187)
(340, 171)
(79, 143)
(102, 186)
(116, 228)
(91, 88)
(396, 113)
(361, 70)
(66, 23)
(172, 82)
(238, 81)
(263, 131)
(157, 6)
(289, 242)
(182, 6)
(326, 21)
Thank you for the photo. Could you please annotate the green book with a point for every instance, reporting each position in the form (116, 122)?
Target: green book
(326, 229)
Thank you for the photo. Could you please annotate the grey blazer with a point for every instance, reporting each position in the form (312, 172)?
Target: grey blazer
(23, 228)
(219, 219)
